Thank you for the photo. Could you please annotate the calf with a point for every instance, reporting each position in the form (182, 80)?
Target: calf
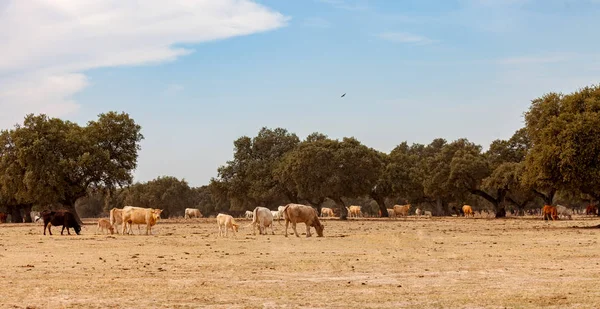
(104, 225)
(58, 218)
(296, 213)
(226, 222)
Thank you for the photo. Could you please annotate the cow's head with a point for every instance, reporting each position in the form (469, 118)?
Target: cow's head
(235, 227)
(77, 229)
(156, 214)
(319, 228)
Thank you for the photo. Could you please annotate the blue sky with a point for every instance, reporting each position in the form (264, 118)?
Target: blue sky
(199, 74)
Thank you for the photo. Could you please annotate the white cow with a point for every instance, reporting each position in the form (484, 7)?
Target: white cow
(428, 213)
(249, 214)
(564, 211)
(226, 222)
(275, 214)
(192, 213)
(418, 212)
(263, 218)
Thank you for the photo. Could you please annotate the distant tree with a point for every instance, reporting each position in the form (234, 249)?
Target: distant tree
(62, 160)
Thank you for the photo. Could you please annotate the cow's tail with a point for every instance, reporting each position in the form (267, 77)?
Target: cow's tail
(285, 214)
(112, 217)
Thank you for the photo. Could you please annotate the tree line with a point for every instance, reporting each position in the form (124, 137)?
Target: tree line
(49, 162)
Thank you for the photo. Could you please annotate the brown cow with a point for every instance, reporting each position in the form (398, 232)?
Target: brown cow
(3, 217)
(591, 210)
(296, 213)
(327, 212)
(549, 212)
(401, 210)
(467, 210)
(138, 215)
(104, 225)
(58, 218)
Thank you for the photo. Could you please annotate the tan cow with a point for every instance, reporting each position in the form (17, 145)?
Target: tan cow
(468, 211)
(263, 218)
(327, 212)
(354, 211)
(226, 222)
(116, 218)
(401, 210)
(297, 213)
(139, 215)
(104, 225)
(192, 213)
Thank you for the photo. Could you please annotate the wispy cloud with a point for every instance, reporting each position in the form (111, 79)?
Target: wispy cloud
(404, 37)
(46, 45)
(346, 5)
(316, 22)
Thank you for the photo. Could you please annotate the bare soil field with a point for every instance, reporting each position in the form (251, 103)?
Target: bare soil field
(367, 263)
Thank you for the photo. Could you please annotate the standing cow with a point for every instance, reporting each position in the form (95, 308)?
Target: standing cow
(297, 213)
(263, 218)
(138, 215)
(401, 210)
(58, 218)
(192, 213)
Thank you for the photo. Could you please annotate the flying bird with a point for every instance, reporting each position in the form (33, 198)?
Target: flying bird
(343, 95)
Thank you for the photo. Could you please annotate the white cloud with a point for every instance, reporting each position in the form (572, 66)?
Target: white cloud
(47, 44)
(403, 37)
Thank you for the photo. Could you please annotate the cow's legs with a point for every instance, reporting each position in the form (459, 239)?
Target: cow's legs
(294, 228)
(286, 227)
(272, 232)
(307, 231)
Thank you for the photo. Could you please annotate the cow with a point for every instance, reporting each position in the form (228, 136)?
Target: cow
(58, 218)
(35, 216)
(275, 214)
(549, 211)
(564, 211)
(263, 218)
(104, 225)
(226, 222)
(139, 215)
(591, 209)
(249, 214)
(192, 213)
(418, 212)
(297, 213)
(280, 210)
(467, 210)
(327, 212)
(354, 211)
(401, 210)
(3, 217)
(391, 213)
(116, 219)
(428, 213)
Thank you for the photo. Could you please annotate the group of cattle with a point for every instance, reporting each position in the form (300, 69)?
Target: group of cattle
(263, 218)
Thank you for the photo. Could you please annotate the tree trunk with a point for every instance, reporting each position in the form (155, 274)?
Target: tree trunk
(27, 210)
(441, 208)
(70, 206)
(381, 203)
(548, 198)
(343, 211)
(15, 213)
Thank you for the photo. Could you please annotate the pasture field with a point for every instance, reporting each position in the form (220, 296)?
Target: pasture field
(366, 263)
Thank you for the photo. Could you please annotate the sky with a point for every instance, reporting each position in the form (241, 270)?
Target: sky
(198, 74)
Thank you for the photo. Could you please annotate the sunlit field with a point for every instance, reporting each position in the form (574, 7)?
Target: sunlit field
(362, 263)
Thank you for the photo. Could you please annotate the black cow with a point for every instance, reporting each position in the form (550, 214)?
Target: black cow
(60, 217)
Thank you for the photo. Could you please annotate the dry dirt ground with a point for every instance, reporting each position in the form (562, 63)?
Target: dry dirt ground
(405, 263)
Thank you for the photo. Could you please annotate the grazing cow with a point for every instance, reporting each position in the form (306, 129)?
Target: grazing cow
(418, 212)
(591, 210)
(139, 215)
(3, 217)
(35, 215)
(401, 210)
(192, 213)
(58, 218)
(428, 213)
(468, 211)
(327, 212)
(104, 225)
(564, 211)
(262, 218)
(549, 212)
(275, 214)
(354, 211)
(297, 213)
(249, 214)
(226, 222)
